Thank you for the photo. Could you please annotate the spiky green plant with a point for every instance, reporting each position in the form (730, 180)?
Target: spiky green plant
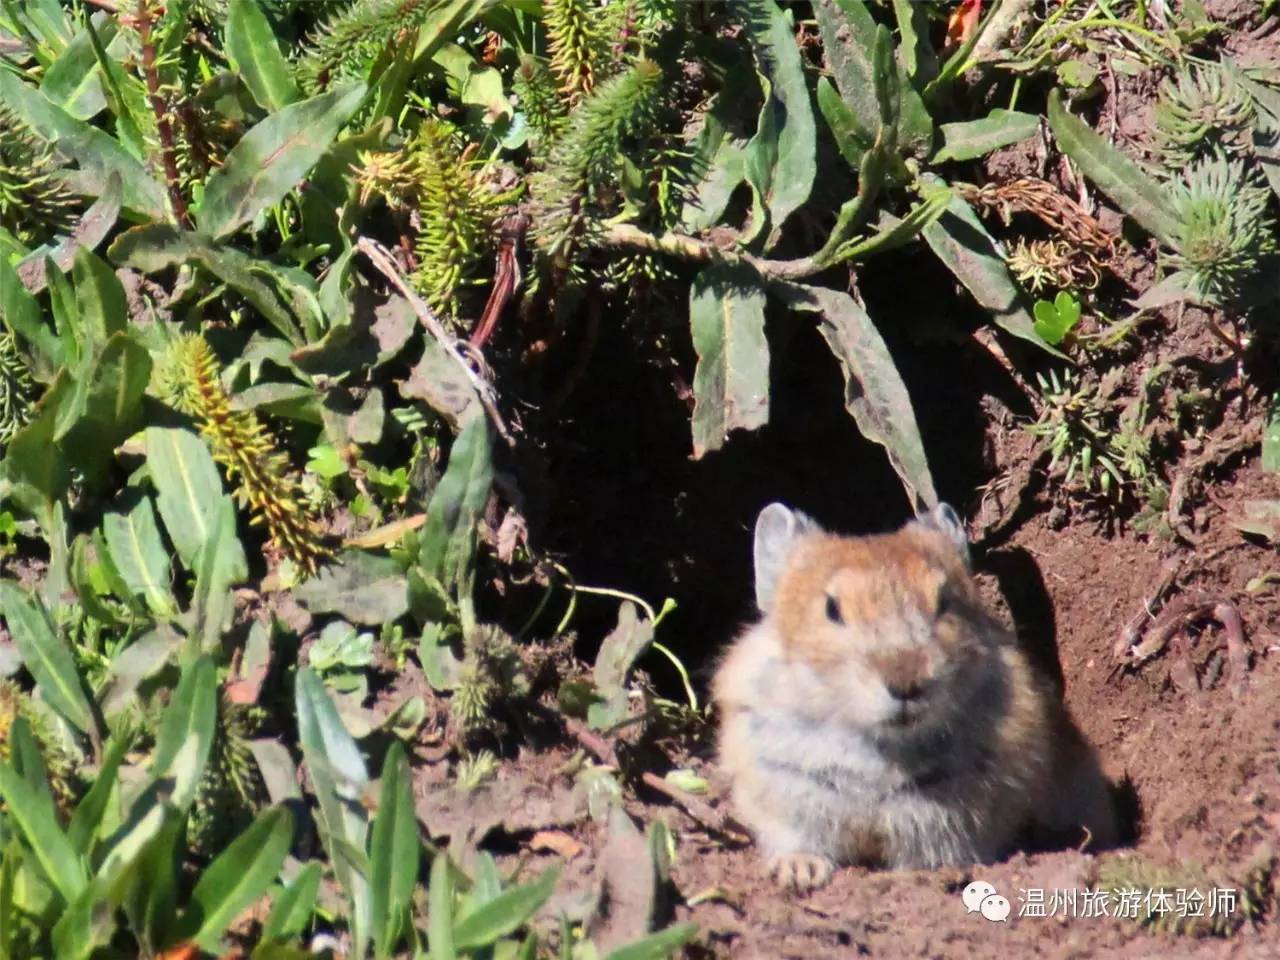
(456, 211)
(190, 381)
(537, 96)
(1073, 423)
(231, 792)
(578, 43)
(17, 389)
(1201, 112)
(1223, 228)
(349, 41)
(35, 203)
(584, 162)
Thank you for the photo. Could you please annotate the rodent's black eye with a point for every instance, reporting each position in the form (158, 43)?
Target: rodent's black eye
(833, 611)
(946, 604)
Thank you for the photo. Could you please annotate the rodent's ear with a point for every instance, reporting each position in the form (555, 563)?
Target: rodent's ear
(777, 528)
(946, 521)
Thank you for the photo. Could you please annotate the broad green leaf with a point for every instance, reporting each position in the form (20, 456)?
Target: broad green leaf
(782, 156)
(449, 533)
(851, 139)
(100, 299)
(36, 818)
(363, 587)
(188, 488)
(1127, 185)
(157, 247)
(292, 909)
(140, 556)
(504, 914)
(720, 151)
(337, 774)
(1271, 436)
(73, 81)
(46, 655)
(127, 97)
(394, 852)
(618, 653)
(96, 153)
(976, 138)
(34, 467)
(151, 897)
(272, 157)
(971, 254)
(656, 946)
(237, 878)
(186, 731)
(440, 909)
(219, 566)
(731, 380)
(875, 394)
(254, 54)
(27, 761)
(849, 36)
(89, 812)
(21, 313)
(105, 407)
(89, 231)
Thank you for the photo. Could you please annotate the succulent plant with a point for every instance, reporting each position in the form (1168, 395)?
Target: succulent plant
(1223, 228)
(1201, 112)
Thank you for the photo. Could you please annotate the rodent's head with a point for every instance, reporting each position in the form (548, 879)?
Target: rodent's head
(891, 627)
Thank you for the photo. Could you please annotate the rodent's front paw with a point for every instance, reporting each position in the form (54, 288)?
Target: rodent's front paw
(800, 871)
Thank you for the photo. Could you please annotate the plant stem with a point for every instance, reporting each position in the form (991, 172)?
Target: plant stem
(168, 154)
(683, 247)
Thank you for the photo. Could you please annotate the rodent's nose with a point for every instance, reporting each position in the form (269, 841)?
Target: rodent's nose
(905, 690)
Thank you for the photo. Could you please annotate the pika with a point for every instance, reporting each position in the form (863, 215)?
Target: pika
(877, 713)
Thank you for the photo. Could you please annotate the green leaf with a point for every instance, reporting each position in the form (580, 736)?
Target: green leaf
(150, 897)
(849, 40)
(393, 854)
(219, 565)
(1271, 436)
(272, 157)
(96, 153)
(1127, 185)
(141, 557)
(100, 299)
(656, 946)
(448, 535)
(337, 774)
(362, 587)
(90, 231)
(851, 139)
(105, 406)
(90, 811)
(21, 312)
(34, 466)
(782, 156)
(292, 909)
(46, 655)
(157, 247)
(963, 244)
(976, 138)
(254, 54)
(73, 81)
(618, 653)
(237, 878)
(440, 909)
(731, 380)
(875, 394)
(188, 488)
(35, 816)
(504, 914)
(25, 756)
(186, 732)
